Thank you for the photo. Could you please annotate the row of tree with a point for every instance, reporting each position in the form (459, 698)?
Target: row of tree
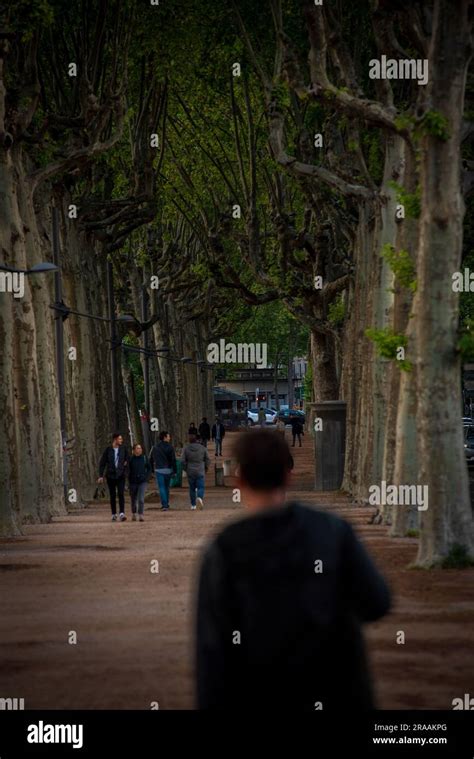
(342, 197)
(235, 150)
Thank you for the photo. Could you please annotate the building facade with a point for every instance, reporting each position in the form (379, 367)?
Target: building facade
(261, 389)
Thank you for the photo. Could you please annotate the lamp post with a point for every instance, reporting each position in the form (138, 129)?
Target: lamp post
(146, 359)
(59, 329)
(113, 340)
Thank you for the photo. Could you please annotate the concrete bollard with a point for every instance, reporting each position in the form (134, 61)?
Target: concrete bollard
(219, 475)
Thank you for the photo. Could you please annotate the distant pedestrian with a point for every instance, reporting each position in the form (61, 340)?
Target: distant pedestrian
(262, 417)
(195, 460)
(296, 430)
(218, 433)
(192, 429)
(204, 432)
(139, 471)
(113, 464)
(280, 426)
(163, 461)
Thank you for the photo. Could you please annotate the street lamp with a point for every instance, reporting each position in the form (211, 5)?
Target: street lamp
(63, 310)
(41, 268)
(149, 351)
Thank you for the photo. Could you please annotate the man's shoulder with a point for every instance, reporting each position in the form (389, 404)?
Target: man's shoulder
(310, 519)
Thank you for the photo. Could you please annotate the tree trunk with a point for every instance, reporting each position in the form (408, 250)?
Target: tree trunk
(89, 408)
(405, 470)
(30, 419)
(356, 380)
(448, 519)
(365, 381)
(403, 466)
(10, 514)
(323, 362)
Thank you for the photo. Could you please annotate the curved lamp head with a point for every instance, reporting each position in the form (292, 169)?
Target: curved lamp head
(127, 318)
(42, 267)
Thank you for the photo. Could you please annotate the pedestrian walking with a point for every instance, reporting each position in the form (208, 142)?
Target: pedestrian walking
(297, 585)
(204, 432)
(192, 429)
(163, 461)
(113, 463)
(262, 417)
(296, 430)
(280, 426)
(139, 471)
(196, 461)
(218, 433)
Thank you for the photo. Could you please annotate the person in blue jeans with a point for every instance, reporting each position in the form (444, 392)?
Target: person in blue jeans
(195, 460)
(163, 461)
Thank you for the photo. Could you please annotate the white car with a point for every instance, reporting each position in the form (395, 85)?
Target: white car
(270, 416)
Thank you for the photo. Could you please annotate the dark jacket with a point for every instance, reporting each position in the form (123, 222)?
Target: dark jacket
(300, 629)
(139, 469)
(163, 456)
(204, 431)
(214, 431)
(296, 426)
(107, 463)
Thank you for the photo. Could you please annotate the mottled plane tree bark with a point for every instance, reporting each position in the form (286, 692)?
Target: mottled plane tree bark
(41, 143)
(447, 523)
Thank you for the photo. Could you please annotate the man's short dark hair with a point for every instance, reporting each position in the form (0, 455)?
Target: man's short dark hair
(192, 438)
(263, 458)
(116, 435)
(163, 435)
(204, 419)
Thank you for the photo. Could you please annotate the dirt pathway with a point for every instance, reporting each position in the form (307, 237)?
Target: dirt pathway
(87, 575)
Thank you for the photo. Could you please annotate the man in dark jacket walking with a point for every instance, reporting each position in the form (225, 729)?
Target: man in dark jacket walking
(113, 463)
(204, 432)
(282, 597)
(218, 433)
(163, 461)
(196, 462)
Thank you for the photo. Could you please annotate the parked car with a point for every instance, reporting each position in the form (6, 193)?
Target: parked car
(288, 414)
(469, 443)
(270, 415)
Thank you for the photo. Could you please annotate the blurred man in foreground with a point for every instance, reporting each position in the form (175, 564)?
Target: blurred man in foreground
(282, 595)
